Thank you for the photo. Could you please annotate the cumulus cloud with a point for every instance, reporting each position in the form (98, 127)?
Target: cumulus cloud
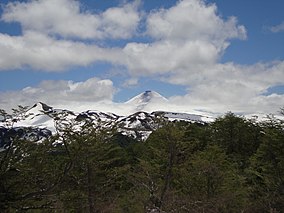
(187, 36)
(277, 28)
(236, 88)
(193, 20)
(41, 52)
(164, 57)
(66, 18)
(61, 92)
(49, 28)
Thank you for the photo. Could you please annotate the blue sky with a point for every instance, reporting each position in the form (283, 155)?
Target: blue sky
(212, 55)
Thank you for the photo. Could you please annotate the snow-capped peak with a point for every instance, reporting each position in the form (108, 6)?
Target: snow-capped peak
(148, 97)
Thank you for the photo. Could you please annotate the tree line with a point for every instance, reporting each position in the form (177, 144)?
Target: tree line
(233, 164)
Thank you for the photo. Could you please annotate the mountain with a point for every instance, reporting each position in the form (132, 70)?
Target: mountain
(138, 123)
(143, 100)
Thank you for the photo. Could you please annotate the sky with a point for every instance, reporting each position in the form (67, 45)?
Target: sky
(208, 55)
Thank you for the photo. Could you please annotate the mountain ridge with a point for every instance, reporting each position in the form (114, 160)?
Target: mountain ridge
(138, 124)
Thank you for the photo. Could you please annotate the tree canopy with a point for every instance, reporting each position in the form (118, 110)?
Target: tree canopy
(230, 165)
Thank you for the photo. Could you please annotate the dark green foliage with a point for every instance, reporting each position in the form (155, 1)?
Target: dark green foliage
(238, 136)
(29, 174)
(213, 181)
(231, 165)
(266, 172)
(123, 140)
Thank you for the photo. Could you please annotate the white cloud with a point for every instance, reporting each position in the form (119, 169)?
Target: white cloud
(49, 26)
(277, 28)
(236, 88)
(61, 92)
(168, 56)
(66, 18)
(42, 52)
(193, 20)
(120, 22)
(188, 36)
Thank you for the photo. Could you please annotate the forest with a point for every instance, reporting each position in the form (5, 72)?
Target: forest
(233, 164)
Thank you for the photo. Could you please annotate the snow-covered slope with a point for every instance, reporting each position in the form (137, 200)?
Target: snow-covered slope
(172, 116)
(43, 116)
(38, 116)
